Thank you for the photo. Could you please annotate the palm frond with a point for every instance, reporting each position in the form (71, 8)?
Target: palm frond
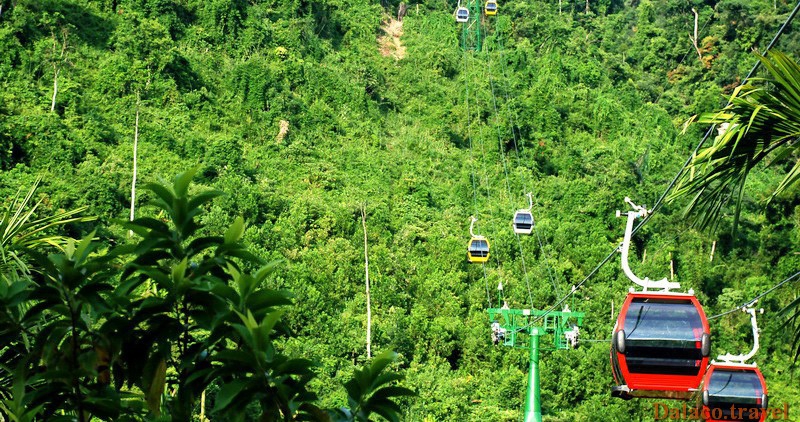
(20, 230)
(763, 123)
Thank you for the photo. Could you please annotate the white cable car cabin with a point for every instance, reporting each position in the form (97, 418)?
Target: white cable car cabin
(523, 219)
(523, 222)
(490, 8)
(478, 248)
(462, 14)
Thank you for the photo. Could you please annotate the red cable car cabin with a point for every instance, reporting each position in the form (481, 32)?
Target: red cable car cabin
(734, 392)
(660, 346)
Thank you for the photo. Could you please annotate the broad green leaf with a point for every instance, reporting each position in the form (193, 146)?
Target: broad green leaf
(155, 388)
(182, 182)
(235, 231)
(201, 198)
(166, 197)
(227, 394)
(179, 271)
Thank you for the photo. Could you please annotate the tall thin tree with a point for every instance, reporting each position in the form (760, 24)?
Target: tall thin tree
(694, 38)
(135, 158)
(366, 281)
(59, 59)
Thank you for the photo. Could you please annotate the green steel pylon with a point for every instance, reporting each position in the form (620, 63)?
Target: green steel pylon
(511, 327)
(471, 36)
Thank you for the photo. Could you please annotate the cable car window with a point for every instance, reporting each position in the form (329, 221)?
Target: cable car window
(735, 393)
(648, 364)
(648, 320)
(735, 384)
(523, 218)
(479, 246)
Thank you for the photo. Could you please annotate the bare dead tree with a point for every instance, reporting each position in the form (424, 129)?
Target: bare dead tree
(694, 38)
(366, 272)
(401, 11)
(60, 58)
(135, 160)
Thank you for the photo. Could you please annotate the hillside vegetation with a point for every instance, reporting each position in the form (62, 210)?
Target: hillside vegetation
(294, 110)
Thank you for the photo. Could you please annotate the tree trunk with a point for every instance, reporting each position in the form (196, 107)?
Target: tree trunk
(135, 167)
(366, 273)
(203, 406)
(671, 267)
(694, 38)
(57, 63)
(713, 248)
(55, 88)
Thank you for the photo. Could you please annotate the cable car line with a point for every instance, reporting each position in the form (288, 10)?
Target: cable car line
(711, 129)
(496, 123)
(486, 178)
(510, 115)
(556, 289)
(508, 185)
(486, 283)
(788, 279)
(473, 177)
(577, 286)
(469, 140)
(659, 203)
(510, 318)
(525, 183)
(589, 276)
(547, 260)
(485, 171)
(642, 372)
(525, 271)
(525, 180)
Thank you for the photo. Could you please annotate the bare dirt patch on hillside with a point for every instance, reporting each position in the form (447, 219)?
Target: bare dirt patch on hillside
(389, 44)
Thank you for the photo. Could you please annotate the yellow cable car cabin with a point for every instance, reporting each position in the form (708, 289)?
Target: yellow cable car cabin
(490, 8)
(478, 250)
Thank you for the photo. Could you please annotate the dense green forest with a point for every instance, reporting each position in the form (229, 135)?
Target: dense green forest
(306, 114)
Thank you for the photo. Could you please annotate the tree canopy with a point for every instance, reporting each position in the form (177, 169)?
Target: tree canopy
(297, 119)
